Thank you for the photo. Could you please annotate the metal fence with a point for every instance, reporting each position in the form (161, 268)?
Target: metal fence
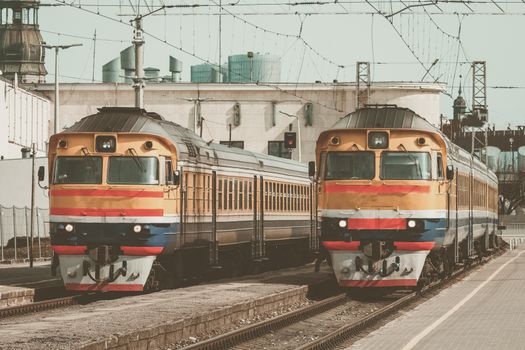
(15, 233)
(514, 233)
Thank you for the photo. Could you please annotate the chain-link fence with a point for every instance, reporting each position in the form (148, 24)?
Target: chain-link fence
(15, 233)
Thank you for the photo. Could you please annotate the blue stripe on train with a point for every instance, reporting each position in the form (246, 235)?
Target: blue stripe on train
(93, 234)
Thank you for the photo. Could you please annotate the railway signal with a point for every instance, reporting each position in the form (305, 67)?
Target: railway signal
(290, 140)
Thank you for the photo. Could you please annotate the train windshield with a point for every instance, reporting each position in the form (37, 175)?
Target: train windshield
(78, 170)
(405, 166)
(350, 166)
(133, 170)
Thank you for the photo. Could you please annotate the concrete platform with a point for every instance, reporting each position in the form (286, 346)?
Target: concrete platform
(484, 311)
(153, 320)
(20, 284)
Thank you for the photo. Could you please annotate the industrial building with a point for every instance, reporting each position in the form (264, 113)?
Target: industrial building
(24, 119)
(252, 116)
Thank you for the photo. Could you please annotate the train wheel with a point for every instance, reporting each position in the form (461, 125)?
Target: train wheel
(158, 278)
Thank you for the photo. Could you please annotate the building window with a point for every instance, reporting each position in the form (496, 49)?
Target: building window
(276, 148)
(236, 144)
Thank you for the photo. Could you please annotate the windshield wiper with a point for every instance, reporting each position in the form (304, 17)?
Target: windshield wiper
(85, 152)
(416, 162)
(135, 157)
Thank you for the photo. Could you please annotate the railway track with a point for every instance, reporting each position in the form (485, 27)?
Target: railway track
(79, 299)
(303, 328)
(55, 303)
(39, 306)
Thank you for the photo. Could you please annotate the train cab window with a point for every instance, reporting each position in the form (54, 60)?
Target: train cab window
(439, 166)
(133, 170)
(78, 170)
(349, 166)
(405, 166)
(168, 172)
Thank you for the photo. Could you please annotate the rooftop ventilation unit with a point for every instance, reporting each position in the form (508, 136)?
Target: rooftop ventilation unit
(175, 69)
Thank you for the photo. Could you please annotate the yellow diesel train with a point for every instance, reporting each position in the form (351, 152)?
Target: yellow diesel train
(137, 202)
(399, 203)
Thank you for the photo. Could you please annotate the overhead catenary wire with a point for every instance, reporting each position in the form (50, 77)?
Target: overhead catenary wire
(181, 49)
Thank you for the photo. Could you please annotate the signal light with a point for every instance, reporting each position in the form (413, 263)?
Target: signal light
(290, 140)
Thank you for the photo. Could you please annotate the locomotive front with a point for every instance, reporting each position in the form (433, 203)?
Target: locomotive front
(113, 208)
(382, 203)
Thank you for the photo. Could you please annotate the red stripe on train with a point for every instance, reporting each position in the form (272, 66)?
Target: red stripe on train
(384, 189)
(354, 246)
(379, 283)
(141, 251)
(107, 193)
(105, 287)
(69, 249)
(377, 224)
(106, 212)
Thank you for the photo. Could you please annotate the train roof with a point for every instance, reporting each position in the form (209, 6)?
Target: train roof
(190, 147)
(388, 116)
(394, 117)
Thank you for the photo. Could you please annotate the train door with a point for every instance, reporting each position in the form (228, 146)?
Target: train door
(456, 214)
(314, 241)
(470, 237)
(214, 244)
(182, 205)
(258, 248)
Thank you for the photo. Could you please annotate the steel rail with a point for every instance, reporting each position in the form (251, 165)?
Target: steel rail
(236, 337)
(346, 332)
(39, 306)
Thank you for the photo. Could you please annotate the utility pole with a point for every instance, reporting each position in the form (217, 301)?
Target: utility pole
(363, 82)
(138, 80)
(33, 155)
(94, 55)
(57, 97)
(138, 43)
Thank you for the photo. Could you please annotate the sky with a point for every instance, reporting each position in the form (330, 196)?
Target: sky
(312, 46)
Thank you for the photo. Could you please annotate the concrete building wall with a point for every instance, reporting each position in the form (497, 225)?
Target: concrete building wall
(24, 119)
(260, 105)
(15, 183)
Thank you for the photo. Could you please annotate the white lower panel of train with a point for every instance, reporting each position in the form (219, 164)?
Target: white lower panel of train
(127, 273)
(400, 269)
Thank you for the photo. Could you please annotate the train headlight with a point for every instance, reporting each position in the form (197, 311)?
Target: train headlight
(342, 223)
(106, 143)
(377, 140)
(137, 228)
(411, 223)
(69, 228)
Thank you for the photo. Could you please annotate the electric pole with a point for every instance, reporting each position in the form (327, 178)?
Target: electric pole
(57, 97)
(138, 79)
(138, 43)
